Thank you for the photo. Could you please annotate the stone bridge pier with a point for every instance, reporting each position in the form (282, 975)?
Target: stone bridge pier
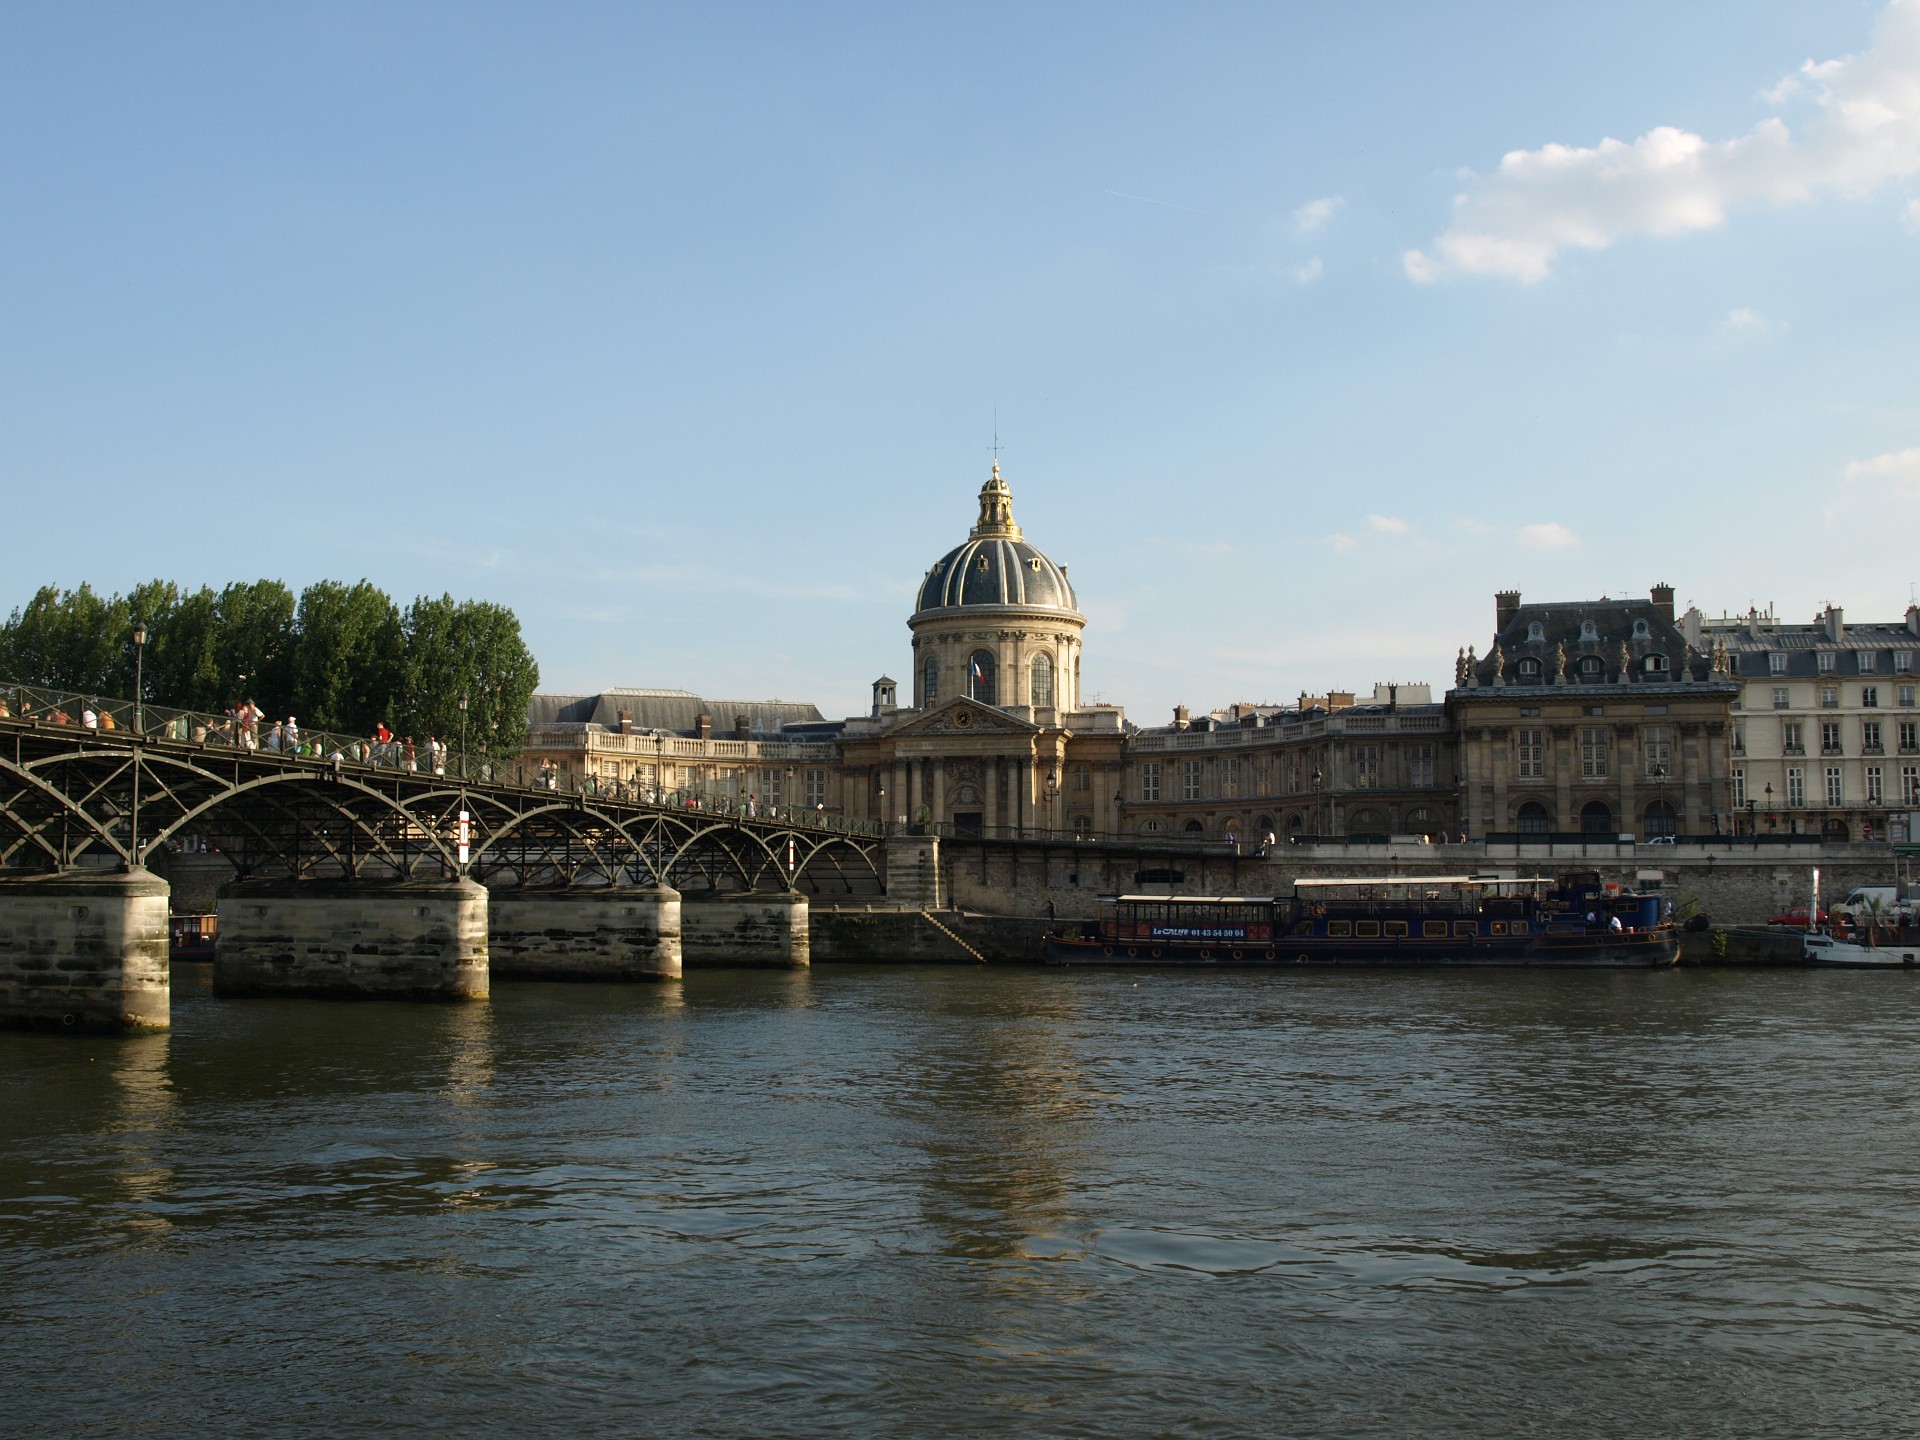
(347, 939)
(84, 950)
(607, 932)
(746, 929)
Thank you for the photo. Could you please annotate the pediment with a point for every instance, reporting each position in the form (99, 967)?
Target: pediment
(961, 716)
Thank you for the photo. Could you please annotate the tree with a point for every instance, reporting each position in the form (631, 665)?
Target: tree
(253, 643)
(68, 640)
(348, 650)
(470, 649)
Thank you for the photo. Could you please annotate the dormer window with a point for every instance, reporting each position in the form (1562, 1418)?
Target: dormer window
(1592, 671)
(1536, 631)
(1589, 630)
(1528, 671)
(1640, 631)
(1655, 665)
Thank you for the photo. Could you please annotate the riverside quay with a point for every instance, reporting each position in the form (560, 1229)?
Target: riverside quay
(338, 877)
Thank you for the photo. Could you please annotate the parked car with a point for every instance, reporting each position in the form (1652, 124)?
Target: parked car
(1796, 918)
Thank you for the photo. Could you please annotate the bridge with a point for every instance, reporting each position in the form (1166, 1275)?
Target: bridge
(357, 869)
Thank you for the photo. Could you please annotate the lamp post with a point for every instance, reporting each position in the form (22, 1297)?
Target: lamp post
(463, 734)
(1769, 789)
(883, 809)
(786, 798)
(1660, 783)
(139, 666)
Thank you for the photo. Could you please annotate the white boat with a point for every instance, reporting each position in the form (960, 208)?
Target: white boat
(1825, 950)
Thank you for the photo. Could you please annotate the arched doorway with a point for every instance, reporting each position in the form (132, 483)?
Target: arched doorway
(1596, 820)
(1533, 819)
(1657, 821)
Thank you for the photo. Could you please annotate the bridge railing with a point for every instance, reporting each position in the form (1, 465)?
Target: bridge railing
(44, 706)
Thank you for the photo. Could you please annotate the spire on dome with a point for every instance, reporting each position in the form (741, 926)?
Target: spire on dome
(996, 510)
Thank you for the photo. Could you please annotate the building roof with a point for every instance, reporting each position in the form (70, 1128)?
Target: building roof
(1585, 643)
(677, 711)
(995, 566)
(1751, 640)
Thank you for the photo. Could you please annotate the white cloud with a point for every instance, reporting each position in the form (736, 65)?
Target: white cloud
(1343, 543)
(1865, 130)
(1912, 216)
(1548, 535)
(1897, 471)
(1315, 213)
(1388, 524)
(1745, 319)
(1308, 273)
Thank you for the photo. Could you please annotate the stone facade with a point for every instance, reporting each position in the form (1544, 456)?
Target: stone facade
(1592, 718)
(1826, 732)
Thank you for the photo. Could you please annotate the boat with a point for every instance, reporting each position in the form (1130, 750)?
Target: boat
(190, 937)
(1831, 951)
(1397, 920)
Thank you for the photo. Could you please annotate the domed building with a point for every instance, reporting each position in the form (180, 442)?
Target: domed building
(997, 741)
(996, 619)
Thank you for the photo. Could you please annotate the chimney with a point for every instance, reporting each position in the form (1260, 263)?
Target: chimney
(1663, 602)
(742, 728)
(1913, 619)
(1506, 605)
(1180, 721)
(703, 726)
(1835, 621)
(626, 722)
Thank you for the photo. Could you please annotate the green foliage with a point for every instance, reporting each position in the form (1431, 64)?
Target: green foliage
(1719, 944)
(469, 649)
(342, 657)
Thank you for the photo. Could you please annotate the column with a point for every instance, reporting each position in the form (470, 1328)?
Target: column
(84, 952)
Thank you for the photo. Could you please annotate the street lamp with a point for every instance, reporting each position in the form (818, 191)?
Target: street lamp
(1770, 820)
(882, 806)
(1325, 806)
(463, 734)
(1660, 782)
(787, 798)
(139, 659)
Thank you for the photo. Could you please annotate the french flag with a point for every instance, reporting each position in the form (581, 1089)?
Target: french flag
(979, 670)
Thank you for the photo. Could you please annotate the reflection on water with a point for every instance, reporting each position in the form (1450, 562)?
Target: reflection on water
(964, 1201)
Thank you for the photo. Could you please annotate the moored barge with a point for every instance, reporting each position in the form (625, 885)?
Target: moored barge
(1410, 920)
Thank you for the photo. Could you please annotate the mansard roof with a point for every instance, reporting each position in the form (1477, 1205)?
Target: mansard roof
(1602, 642)
(677, 711)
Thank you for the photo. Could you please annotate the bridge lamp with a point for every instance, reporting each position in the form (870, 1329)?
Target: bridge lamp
(463, 734)
(139, 658)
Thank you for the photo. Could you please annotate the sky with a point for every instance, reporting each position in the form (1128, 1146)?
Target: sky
(686, 331)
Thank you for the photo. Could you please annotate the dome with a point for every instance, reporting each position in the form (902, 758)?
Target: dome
(995, 566)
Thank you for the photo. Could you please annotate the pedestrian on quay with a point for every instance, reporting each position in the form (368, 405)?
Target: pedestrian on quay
(250, 725)
(407, 754)
(88, 718)
(290, 735)
(275, 737)
(436, 756)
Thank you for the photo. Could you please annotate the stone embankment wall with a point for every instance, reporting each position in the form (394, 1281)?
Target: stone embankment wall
(745, 930)
(891, 937)
(627, 932)
(1733, 886)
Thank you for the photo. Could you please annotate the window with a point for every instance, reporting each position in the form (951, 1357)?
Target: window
(1903, 661)
(1780, 697)
(1833, 786)
(1657, 743)
(1739, 786)
(1230, 777)
(1908, 740)
(1536, 631)
(980, 668)
(1654, 665)
(1533, 819)
(816, 788)
(1739, 739)
(1042, 685)
(1866, 661)
(1823, 662)
(1150, 780)
(1189, 779)
(1873, 786)
(1792, 737)
(1910, 784)
(1796, 787)
(1592, 670)
(1640, 631)
(1593, 752)
(1528, 671)
(1829, 737)
(1420, 765)
(1829, 697)
(1776, 662)
(1870, 736)
(1366, 767)
(1869, 697)
(930, 686)
(1589, 630)
(1080, 777)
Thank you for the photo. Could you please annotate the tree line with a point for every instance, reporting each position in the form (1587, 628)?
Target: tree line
(339, 657)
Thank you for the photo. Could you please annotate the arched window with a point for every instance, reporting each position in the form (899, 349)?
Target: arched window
(1536, 631)
(980, 676)
(1659, 820)
(1533, 819)
(1296, 824)
(1656, 664)
(1042, 689)
(1528, 671)
(1640, 631)
(1592, 669)
(1589, 630)
(1194, 827)
(930, 686)
(1596, 819)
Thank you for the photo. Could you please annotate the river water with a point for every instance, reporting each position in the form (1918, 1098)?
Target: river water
(974, 1202)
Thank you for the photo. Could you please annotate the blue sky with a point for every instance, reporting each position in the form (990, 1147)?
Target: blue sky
(682, 330)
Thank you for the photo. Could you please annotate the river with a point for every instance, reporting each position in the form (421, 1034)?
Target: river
(909, 1201)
